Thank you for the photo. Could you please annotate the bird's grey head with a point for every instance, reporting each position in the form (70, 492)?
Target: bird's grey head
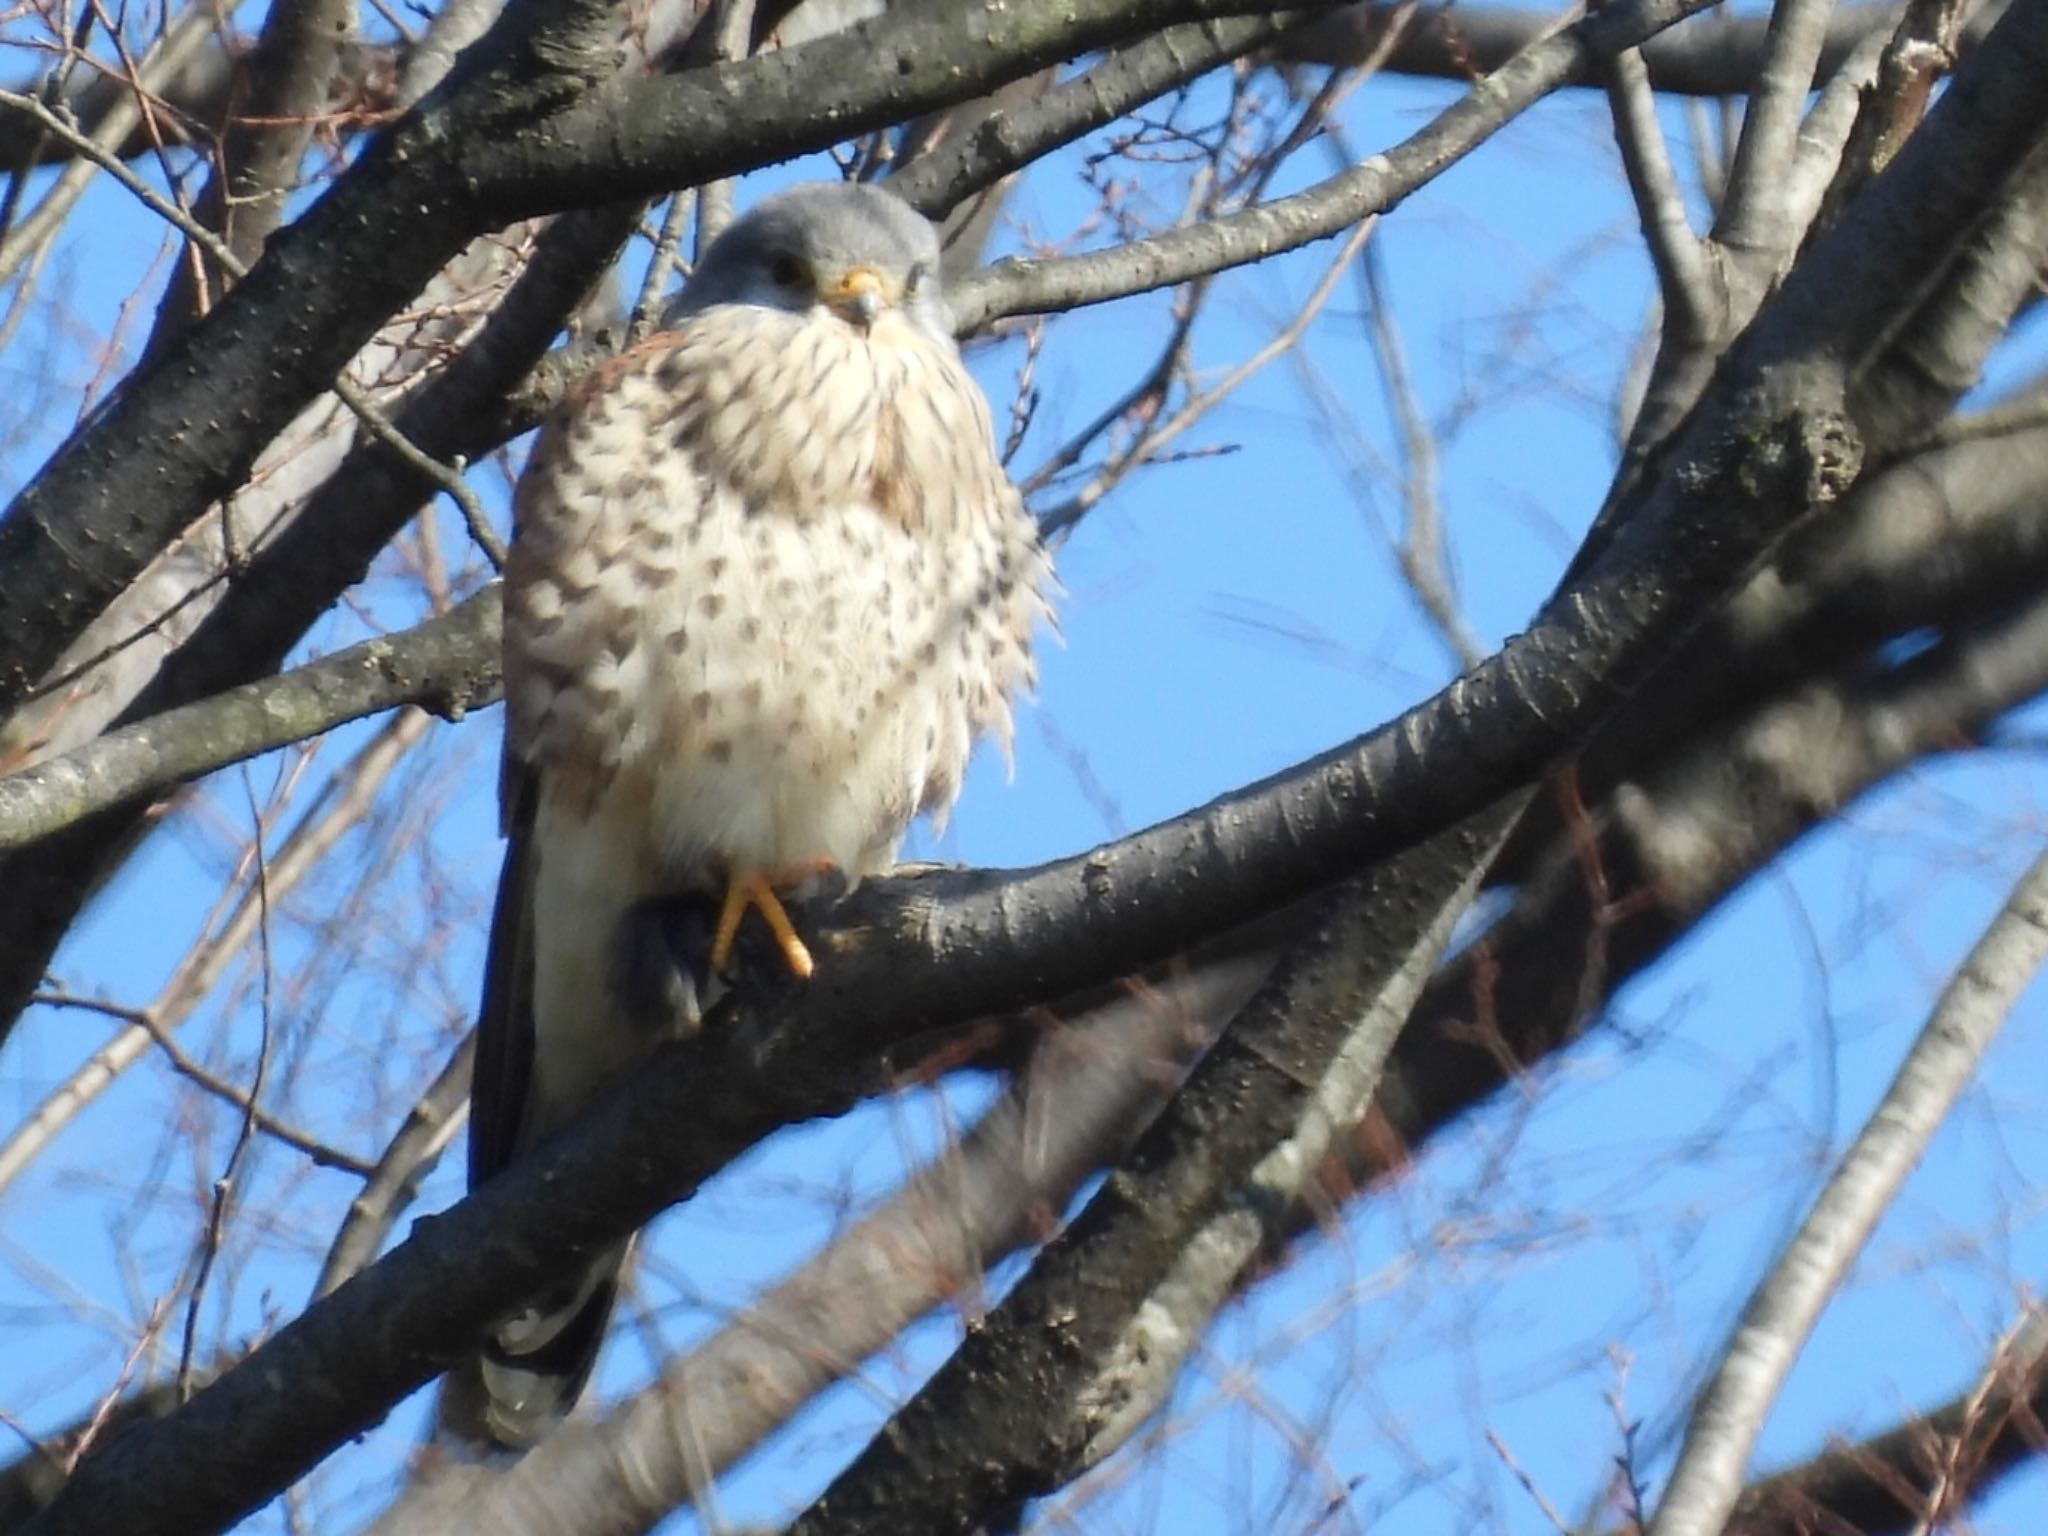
(855, 250)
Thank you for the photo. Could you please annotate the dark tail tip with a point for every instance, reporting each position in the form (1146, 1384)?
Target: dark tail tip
(528, 1378)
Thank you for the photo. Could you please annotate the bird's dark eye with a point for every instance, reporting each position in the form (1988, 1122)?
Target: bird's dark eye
(785, 270)
(914, 278)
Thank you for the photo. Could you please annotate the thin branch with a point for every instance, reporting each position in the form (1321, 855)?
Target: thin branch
(448, 477)
(1754, 215)
(224, 1185)
(1920, 1470)
(652, 298)
(24, 157)
(1781, 1313)
(1721, 61)
(1679, 255)
(1017, 286)
(1420, 551)
(1957, 1463)
(1154, 442)
(1148, 392)
(727, 35)
(448, 664)
(392, 1182)
(241, 1100)
(1823, 138)
(979, 154)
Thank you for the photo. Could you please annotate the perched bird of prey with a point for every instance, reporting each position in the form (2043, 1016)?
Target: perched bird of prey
(768, 583)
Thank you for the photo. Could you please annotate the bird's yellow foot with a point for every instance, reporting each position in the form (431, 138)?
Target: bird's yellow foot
(749, 888)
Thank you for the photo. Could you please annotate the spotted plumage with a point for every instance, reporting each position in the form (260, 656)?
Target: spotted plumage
(768, 585)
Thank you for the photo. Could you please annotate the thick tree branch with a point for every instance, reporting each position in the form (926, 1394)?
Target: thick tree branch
(1079, 1355)
(1938, 353)
(1098, 1073)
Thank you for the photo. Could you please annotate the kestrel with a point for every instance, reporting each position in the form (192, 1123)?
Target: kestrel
(768, 584)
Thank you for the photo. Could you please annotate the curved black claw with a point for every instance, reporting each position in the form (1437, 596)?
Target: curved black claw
(665, 980)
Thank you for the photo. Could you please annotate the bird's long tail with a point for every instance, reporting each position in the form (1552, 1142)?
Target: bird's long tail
(534, 1365)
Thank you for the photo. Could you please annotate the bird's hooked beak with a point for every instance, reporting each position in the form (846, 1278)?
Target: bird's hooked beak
(860, 295)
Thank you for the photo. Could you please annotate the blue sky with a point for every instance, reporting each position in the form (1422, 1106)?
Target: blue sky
(1223, 619)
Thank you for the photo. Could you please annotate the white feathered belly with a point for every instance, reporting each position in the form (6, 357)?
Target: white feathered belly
(779, 696)
(803, 691)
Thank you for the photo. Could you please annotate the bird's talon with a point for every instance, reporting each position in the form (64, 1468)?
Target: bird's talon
(754, 890)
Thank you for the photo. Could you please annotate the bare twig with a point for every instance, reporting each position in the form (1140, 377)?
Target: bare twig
(97, 148)
(224, 1190)
(661, 266)
(242, 1100)
(1153, 443)
(1024, 287)
(1529, 1486)
(1420, 550)
(1913, 1474)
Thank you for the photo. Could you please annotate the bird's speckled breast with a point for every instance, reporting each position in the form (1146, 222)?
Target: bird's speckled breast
(768, 584)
